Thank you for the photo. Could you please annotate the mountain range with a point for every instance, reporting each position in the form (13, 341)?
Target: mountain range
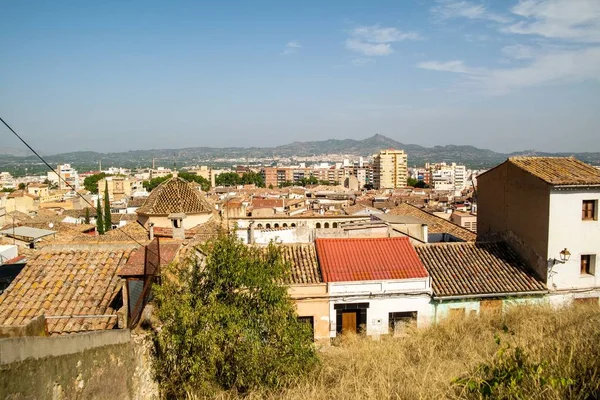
(417, 155)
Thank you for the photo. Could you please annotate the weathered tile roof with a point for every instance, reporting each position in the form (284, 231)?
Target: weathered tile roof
(135, 263)
(344, 260)
(173, 196)
(304, 264)
(460, 269)
(66, 281)
(435, 224)
(559, 170)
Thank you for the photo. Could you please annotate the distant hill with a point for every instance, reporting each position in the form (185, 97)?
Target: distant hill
(417, 155)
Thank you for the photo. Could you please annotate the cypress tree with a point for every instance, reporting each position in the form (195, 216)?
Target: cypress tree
(99, 221)
(87, 215)
(107, 219)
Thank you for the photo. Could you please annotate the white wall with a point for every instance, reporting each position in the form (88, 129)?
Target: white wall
(384, 297)
(8, 252)
(567, 230)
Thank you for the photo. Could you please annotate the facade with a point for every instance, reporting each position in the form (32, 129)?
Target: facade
(65, 177)
(390, 169)
(375, 285)
(120, 187)
(464, 219)
(547, 209)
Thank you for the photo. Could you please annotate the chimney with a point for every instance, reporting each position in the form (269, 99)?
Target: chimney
(177, 224)
(151, 226)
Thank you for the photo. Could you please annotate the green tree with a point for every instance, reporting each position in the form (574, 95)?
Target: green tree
(87, 215)
(411, 182)
(90, 183)
(22, 186)
(153, 183)
(421, 184)
(228, 179)
(311, 180)
(250, 178)
(229, 323)
(99, 221)
(202, 181)
(286, 184)
(107, 217)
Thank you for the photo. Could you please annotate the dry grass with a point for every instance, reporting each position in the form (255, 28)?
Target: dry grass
(424, 364)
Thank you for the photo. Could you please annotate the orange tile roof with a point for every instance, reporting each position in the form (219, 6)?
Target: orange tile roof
(559, 170)
(345, 260)
(303, 262)
(173, 196)
(66, 281)
(135, 263)
(476, 269)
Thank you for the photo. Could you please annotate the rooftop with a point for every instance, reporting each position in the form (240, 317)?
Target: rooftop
(67, 281)
(434, 223)
(304, 264)
(559, 170)
(175, 195)
(345, 260)
(462, 269)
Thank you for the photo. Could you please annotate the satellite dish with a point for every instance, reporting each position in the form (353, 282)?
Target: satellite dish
(51, 225)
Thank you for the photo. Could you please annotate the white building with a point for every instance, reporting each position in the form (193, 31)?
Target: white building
(66, 177)
(447, 177)
(547, 209)
(374, 285)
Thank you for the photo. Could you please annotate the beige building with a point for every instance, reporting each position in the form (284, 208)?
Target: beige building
(465, 219)
(175, 204)
(120, 187)
(38, 189)
(390, 169)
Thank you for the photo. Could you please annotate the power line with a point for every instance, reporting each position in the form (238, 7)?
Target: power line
(72, 188)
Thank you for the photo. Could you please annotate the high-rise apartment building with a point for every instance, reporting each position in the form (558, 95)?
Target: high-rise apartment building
(390, 169)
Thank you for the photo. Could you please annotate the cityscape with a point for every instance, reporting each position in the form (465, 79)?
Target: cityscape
(267, 200)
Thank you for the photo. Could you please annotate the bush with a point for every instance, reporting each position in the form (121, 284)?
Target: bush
(228, 323)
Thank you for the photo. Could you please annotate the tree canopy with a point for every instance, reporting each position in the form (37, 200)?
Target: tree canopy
(203, 182)
(90, 183)
(154, 182)
(229, 323)
(228, 179)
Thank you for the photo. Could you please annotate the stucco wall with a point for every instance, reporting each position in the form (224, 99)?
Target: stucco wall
(578, 236)
(96, 365)
(312, 301)
(189, 221)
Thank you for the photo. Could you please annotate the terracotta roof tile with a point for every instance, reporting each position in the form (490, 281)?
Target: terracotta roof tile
(435, 224)
(135, 263)
(559, 170)
(344, 260)
(175, 195)
(476, 268)
(59, 282)
(304, 264)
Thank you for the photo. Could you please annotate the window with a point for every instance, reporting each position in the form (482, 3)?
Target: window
(310, 321)
(284, 225)
(335, 224)
(276, 225)
(326, 224)
(318, 225)
(268, 226)
(399, 320)
(588, 210)
(587, 264)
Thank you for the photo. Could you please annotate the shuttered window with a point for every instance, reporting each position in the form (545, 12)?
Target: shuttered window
(588, 210)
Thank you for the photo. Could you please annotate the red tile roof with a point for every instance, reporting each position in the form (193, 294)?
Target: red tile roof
(344, 260)
(135, 263)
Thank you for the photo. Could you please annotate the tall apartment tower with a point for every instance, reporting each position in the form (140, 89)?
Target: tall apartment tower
(390, 169)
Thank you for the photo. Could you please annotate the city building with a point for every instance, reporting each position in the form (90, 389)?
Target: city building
(65, 177)
(120, 187)
(546, 208)
(390, 169)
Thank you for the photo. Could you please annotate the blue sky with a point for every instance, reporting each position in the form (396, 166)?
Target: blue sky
(122, 75)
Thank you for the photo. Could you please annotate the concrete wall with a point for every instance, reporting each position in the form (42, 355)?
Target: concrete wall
(578, 236)
(95, 365)
(189, 221)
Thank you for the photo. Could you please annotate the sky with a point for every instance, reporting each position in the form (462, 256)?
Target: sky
(125, 75)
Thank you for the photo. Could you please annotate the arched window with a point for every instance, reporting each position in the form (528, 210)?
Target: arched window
(276, 225)
(318, 225)
(268, 226)
(284, 225)
(293, 225)
(259, 226)
(335, 224)
(326, 225)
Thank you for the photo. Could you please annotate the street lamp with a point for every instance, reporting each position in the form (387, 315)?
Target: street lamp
(564, 255)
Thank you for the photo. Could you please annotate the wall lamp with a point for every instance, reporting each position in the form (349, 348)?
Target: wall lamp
(564, 256)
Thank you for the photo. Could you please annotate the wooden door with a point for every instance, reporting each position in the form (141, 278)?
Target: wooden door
(349, 322)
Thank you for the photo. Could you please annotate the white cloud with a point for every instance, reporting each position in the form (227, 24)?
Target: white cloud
(574, 20)
(518, 52)
(376, 40)
(369, 49)
(476, 38)
(448, 9)
(291, 48)
(547, 69)
(361, 62)
(456, 66)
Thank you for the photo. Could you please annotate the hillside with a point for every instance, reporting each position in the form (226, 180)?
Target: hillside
(417, 155)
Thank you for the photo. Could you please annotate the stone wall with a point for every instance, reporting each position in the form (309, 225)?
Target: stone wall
(95, 365)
